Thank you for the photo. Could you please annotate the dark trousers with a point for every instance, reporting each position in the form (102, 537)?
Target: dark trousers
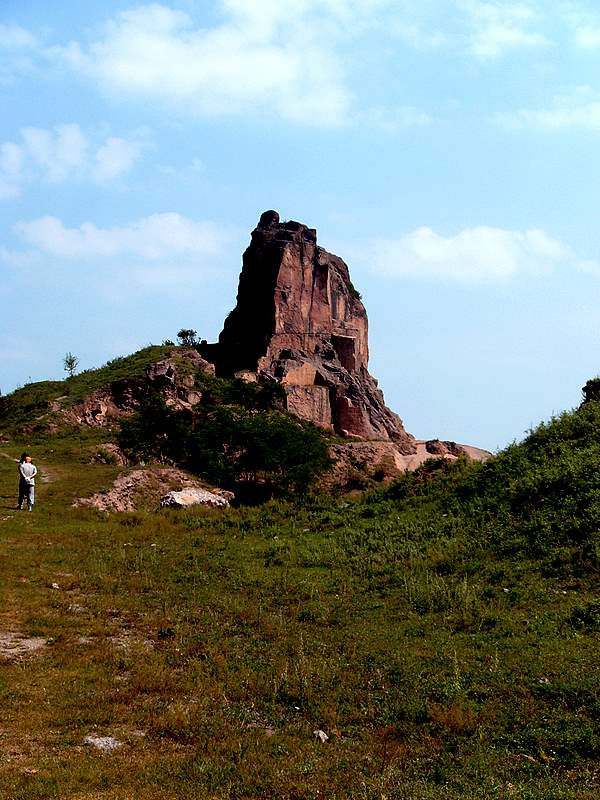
(25, 494)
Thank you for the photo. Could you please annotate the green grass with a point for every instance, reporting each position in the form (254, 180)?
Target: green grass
(212, 645)
(443, 632)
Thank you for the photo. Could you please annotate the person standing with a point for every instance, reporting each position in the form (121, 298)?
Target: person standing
(27, 473)
(22, 484)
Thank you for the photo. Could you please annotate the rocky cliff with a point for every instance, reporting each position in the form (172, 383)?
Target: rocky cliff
(299, 320)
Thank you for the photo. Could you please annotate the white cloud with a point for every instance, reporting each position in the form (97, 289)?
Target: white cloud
(11, 165)
(58, 153)
(284, 61)
(15, 258)
(253, 61)
(584, 24)
(418, 35)
(62, 153)
(115, 158)
(17, 46)
(393, 119)
(497, 27)
(580, 109)
(588, 36)
(12, 37)
(478, 255)
(151, 238)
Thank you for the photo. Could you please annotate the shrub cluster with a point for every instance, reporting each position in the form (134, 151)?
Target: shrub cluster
(540, 497)
(236, 438)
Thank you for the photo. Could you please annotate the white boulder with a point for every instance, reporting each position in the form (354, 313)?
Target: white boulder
(193, 497)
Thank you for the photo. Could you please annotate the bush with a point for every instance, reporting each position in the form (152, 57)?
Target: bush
(586, 617)
(261, 395)
(269, 451)
(538, 498)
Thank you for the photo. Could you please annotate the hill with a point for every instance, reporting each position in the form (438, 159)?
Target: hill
(176, 388)
(442, 632)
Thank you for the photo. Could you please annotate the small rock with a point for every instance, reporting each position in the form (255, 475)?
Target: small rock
(320, 736)
(54, 586)
(15, 646)
(105, 743)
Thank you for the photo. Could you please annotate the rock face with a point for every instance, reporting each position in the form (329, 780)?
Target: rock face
(355, 463)
(299, 320)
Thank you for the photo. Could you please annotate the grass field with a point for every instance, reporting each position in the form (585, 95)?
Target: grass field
(212, 645)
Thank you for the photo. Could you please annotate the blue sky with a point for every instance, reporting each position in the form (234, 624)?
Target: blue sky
(446, 149)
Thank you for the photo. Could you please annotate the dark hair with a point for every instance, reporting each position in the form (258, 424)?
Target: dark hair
(23, 457)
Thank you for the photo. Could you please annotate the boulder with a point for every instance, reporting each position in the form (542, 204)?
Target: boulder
(140, 488)
(193, 497)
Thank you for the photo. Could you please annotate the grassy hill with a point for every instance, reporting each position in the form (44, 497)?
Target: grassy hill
(443, 633)
(27, 404)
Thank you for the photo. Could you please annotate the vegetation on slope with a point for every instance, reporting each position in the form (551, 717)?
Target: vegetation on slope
(237, 437)
(24, 405)
(538, 498)
(248, 446)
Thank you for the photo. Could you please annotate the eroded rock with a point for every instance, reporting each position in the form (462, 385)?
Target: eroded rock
(173, 377)
(354, 463)
(299, 320)
(105, 743)
(15, 646)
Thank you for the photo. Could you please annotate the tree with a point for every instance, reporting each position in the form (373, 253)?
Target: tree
(591, 390)
(70, 364)
(187, 337)
(154, 431)
(262, 453)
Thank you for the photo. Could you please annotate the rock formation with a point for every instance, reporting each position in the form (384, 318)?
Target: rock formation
(299, 320)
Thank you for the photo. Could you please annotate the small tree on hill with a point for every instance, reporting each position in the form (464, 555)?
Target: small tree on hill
(70, 363)
(591, 390)
(187, 337)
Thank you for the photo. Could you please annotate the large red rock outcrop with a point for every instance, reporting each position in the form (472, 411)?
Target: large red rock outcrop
(300, 320)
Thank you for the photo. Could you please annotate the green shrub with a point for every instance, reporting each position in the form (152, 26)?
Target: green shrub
(586, 617)
(538, 498)
(265, 452)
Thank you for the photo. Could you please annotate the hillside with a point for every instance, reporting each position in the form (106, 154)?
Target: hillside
(172, 408)
(37, 404)
(441, 632)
